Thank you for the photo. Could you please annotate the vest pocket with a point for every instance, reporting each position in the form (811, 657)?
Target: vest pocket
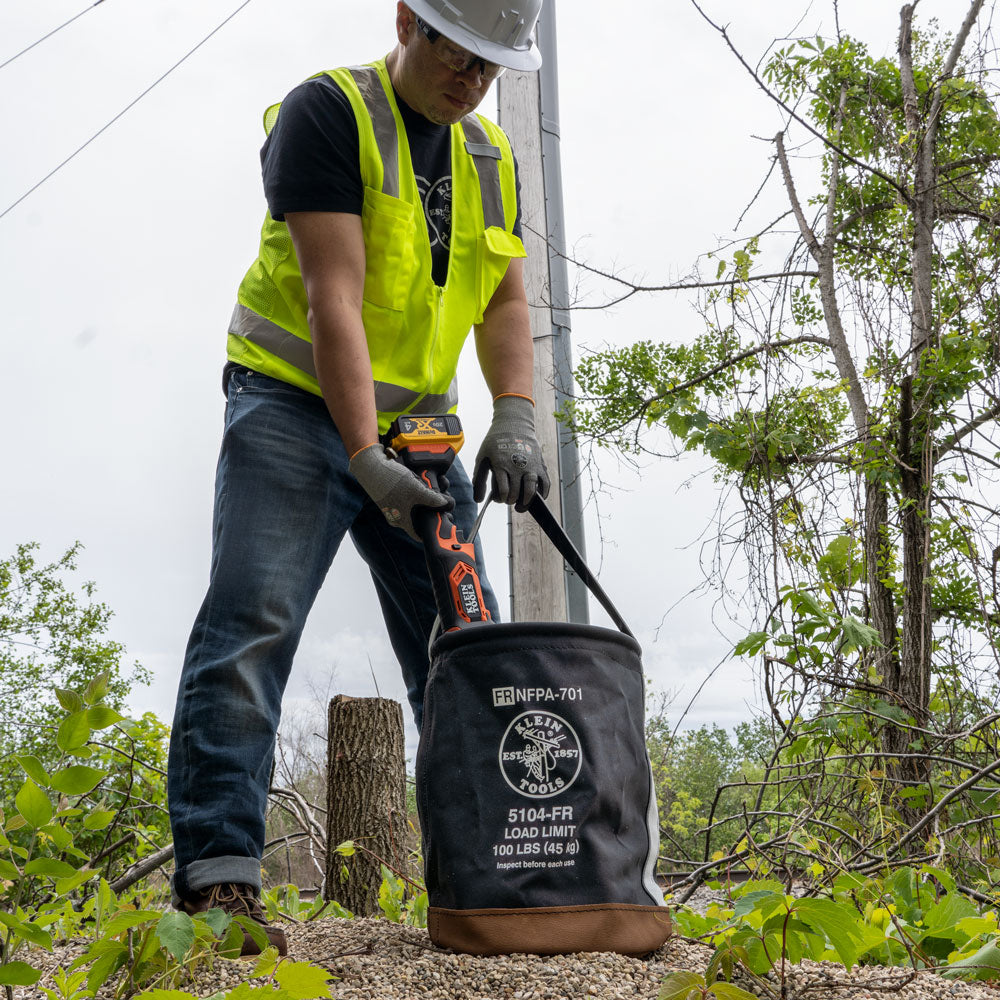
(494, 252)
(388, 228)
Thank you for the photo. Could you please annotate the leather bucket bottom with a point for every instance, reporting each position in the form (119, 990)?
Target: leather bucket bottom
(551, 930)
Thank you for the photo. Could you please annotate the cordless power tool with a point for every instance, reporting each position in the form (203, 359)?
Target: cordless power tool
(428, 446)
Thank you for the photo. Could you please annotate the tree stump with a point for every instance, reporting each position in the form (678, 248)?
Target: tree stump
(365, 798)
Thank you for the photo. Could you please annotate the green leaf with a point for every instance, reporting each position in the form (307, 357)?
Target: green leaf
(764, 900)
(33, 805)
(78, 779)
(67, 885)
(974, 926)
(681, 985)
(984, 964)
(32, 767)
(98, 819)
(59, 835)
(176, 933)
(726, 991)
(74, 731)
(126, 919)
(751, 644)
(416, 914)
(268, 959)
(50, 867)
(9, 871)
(232, 943)
(97, 688)
(217, 919)
(838, 922)
(258, 936)
(114, 954)
(19, 974)
(69, 700)
(101, 716)
(390, 896)
(302, 980)
(32, 933)
(946, 913)
(857, 635)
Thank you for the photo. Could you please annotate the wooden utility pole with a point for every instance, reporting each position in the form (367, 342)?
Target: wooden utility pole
(543, 589)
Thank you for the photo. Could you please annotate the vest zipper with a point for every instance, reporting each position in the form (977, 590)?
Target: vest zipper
(439, 291)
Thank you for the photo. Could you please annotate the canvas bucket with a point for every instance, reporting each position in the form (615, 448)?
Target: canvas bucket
(534, 790)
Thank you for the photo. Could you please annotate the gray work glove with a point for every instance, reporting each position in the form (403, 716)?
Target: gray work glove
(394, 488)
(511, 451)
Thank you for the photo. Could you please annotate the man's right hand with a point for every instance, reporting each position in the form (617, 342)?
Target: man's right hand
(394, 488)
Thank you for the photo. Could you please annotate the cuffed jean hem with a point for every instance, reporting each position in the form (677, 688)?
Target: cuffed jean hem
(211, 871)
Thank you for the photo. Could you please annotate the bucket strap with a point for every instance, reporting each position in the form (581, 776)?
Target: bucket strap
(547, 522)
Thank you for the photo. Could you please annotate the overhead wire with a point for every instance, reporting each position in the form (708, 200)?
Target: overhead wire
(51, 33)
(128, 107)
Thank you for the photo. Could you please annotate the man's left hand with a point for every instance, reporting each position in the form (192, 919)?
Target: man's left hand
(511, 452)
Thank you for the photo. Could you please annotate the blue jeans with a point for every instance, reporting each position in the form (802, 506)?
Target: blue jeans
(284, 498)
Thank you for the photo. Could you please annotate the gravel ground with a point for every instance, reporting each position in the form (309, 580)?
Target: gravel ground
(377, 960)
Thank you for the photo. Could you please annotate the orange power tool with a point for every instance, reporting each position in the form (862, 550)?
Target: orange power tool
(427, 446)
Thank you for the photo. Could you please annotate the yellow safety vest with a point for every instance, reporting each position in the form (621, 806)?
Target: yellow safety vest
(415, 329)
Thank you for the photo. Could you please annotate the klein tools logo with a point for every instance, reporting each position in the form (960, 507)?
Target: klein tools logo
(540, 755)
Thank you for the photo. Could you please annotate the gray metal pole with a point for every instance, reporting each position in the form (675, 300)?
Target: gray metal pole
(543, 588)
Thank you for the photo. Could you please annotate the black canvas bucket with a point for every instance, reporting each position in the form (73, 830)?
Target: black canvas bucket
(536, 801)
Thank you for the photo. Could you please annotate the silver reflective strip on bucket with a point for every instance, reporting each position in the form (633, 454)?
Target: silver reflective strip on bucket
(649, 882)
(384, 124)
(274, 339)
(486, 156)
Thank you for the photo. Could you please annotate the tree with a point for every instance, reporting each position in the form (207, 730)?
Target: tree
(50, 637)
(850, 394)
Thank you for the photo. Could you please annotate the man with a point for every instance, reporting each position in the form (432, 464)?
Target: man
(355, 311)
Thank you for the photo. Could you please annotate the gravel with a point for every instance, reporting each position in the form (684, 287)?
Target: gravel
(377, 960)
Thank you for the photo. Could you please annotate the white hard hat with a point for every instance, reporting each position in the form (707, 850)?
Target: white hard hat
(494, 30)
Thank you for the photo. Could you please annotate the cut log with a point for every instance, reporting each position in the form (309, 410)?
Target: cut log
(366, 798)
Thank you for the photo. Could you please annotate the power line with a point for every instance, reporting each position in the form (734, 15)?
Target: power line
(51, 33)
(128, 107)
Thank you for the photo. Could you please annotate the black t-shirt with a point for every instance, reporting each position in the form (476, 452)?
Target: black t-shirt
(310, 162)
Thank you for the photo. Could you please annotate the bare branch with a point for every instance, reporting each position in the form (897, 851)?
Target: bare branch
(880, 206)
(823, 253)
(786, 172)
(993, 413)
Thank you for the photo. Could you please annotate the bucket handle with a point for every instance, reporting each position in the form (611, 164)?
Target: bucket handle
(547, 522)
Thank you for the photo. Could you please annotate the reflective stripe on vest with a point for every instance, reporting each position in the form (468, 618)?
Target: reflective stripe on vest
(383, 124)
(487, 158)
(297, 352)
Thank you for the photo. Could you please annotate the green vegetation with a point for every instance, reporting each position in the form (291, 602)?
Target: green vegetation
(843, 383)
(83, 803)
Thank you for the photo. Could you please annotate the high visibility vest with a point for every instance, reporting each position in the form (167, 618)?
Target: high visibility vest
(415, 329)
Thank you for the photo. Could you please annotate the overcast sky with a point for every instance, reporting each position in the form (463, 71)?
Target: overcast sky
(119, 275)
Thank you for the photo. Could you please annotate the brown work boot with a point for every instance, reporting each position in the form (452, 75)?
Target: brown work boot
(238, 900)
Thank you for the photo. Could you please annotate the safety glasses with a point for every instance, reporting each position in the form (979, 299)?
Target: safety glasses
(454, 56)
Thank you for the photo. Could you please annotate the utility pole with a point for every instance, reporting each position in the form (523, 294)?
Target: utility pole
(543, 589)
